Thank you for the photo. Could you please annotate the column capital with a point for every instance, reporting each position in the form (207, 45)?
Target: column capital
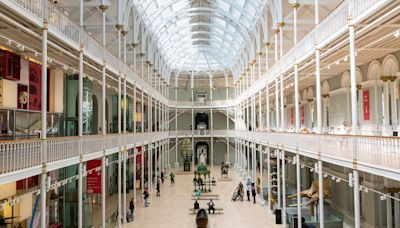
(268, 44)
(119, 27)
(135, 45)
(296, 5)
(124, 33)
(388, 78)
(103, 8)
(281, 24)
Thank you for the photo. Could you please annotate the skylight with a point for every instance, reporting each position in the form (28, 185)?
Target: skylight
(200, 35)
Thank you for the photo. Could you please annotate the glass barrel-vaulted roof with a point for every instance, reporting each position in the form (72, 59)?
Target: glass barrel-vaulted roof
(200, 35)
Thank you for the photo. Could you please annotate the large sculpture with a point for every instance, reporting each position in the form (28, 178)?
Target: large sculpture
(313, 194)
(201, 218)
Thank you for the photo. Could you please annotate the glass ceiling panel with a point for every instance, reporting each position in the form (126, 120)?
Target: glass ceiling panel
(205, 34)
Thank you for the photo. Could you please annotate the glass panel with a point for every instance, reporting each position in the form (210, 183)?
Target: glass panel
(6, 124)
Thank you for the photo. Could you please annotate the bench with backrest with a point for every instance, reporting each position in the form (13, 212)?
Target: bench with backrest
(217, 210)
(206, 195)
(205, 198)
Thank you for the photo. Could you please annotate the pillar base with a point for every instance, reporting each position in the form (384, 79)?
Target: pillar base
(176, 165)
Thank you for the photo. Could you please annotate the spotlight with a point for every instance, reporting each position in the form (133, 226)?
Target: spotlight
(396, 34)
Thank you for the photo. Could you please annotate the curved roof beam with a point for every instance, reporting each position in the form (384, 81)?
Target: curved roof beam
(232, 3)
(174, 43)
(177, 31)
(181, 45)
(214, 56)
(212, 52)
(202, 11)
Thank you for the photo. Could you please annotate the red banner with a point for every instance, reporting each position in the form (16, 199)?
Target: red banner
(302, 114)
(93, 179)
(35, 89)
(291, 116)
(366, 105)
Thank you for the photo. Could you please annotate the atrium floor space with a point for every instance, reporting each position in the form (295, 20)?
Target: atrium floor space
(172, 208)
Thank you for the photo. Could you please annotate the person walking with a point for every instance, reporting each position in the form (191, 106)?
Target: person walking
(158, 187)
(146, 197)
(253, 192)
(132, 206)
(172, 176)
(162, 177)
(241, 190)
(248, 189)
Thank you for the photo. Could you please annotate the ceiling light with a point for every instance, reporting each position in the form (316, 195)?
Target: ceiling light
(345, 58)
(396, 34)
(329, 67)
(337, 62)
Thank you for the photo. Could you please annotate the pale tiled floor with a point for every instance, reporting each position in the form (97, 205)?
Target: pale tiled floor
(172, 208)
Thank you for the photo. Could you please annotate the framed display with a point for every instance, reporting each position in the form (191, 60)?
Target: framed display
(10, 65)
(23, 96)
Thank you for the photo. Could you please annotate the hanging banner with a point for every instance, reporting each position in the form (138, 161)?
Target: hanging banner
(366, 105)
(291, 116)
(302, 114)
(93, 179)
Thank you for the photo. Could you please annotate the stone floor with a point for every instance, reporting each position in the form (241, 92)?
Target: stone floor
(171, 209)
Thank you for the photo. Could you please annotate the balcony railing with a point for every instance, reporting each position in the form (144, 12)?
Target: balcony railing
(382, 152)
(22, 154)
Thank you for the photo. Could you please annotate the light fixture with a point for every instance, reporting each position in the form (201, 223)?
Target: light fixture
(396, 34)
(325, 175)
(337, 62)
(329, 67)
(345, 58)
(383, 197)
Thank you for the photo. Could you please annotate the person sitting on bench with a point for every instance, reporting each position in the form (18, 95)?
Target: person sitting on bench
(213, 181)
(211, 207)
(196, 205)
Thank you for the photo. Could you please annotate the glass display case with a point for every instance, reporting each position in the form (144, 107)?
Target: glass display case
(332, 218)
(22, 124)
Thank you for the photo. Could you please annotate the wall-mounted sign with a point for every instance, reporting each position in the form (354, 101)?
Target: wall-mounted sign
(93, 179)
(366, 105)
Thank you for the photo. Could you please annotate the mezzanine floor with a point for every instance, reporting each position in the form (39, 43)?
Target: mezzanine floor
(172, 208)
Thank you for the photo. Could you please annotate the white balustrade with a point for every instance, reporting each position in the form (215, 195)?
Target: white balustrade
(22, 154)
(332, 23)
(61, 23)
(62, 148)
(17, 155)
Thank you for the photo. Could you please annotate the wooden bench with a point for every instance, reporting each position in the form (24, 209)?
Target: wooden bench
(206, 194)
(205, 198)
(217, 210)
